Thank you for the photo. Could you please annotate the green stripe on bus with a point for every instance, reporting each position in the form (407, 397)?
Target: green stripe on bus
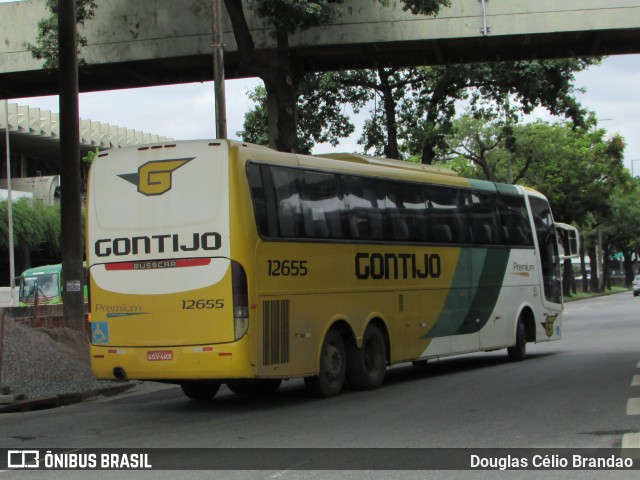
(488, 288)
(507, 189)
(483, 185)
(467, 309)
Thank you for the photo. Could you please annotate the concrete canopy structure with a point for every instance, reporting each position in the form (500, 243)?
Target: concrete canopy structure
(154, 42)
(34, 139)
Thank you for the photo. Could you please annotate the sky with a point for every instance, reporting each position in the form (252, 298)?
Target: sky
(186, 111)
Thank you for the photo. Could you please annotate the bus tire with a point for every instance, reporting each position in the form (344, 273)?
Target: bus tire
(259, 387)
(333, 368)
(518, 352)
(367, 366)
(200, 390)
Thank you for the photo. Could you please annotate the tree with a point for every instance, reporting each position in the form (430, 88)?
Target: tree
(428, 113)
(321, 104)
(46, 46)
(621, 228)
(576, 168)
(282, 72)
(482, 141)
(36, 230)
(415, 108)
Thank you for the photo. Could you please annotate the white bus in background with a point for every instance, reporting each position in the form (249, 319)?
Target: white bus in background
(15, 194)
(45, 189)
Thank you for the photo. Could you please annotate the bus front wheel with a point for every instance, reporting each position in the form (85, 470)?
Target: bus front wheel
(519, 350)
(200, 390)
(367, 366)
(333, 367)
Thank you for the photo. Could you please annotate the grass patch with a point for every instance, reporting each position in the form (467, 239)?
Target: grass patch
(582, 295)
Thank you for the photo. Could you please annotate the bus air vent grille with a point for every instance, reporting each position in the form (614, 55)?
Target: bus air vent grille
(276, 332)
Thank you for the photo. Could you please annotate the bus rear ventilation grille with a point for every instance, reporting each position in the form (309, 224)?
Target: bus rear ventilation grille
(276, 332)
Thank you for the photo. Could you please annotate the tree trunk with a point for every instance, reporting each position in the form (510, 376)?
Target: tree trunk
(583, 270)
(431, 137)
(593, 262)
(628, 267)
(567, 275)
(391, 148)
(277, 73)
(281, 89)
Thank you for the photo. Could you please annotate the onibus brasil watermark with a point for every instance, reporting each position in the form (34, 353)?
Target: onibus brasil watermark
(19, 459)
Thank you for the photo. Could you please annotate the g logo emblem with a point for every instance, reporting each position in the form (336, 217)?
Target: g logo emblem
(154, 178)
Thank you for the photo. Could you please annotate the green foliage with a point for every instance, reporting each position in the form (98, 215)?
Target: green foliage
(479, 145)
(622, 224)
(91, 156)
(280, 74)
(292, 15)
(573, 167)
(425, 7)
(256, 120)
(490, 89)
(576, 168)
(415, 108)
(34, 225)
(321, 107)
(46, 45)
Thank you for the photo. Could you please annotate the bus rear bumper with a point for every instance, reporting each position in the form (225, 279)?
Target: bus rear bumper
(218, 361)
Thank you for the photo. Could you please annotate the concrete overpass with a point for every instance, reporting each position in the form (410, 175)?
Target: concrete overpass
(154, 42)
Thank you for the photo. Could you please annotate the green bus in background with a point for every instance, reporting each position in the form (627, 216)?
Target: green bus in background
(44, 284)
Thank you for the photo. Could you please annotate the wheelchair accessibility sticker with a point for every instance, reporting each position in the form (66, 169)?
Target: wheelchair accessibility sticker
(100, 332)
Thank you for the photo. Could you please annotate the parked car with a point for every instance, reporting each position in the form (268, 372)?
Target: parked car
(636, 286)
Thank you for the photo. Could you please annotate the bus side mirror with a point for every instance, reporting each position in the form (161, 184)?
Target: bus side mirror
(570, 240)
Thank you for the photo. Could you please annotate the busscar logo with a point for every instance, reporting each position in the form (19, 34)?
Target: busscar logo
(155, 177)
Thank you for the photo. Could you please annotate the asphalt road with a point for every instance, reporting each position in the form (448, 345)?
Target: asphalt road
(577, 392)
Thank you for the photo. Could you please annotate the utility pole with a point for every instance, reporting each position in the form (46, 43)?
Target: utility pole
(218, 71)
(12, 265)
(70, 201)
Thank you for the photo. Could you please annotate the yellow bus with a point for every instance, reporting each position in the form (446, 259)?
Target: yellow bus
(219, 262)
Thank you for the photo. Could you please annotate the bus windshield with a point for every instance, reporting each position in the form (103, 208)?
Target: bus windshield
(46, 287)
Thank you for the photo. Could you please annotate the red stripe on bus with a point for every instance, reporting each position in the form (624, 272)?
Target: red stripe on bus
(158, 264)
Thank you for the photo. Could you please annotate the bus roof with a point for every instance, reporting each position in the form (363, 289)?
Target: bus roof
(42, 270)
(388, 162)
(45, 269)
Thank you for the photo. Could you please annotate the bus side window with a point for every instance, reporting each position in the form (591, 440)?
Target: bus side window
(406, 209)
(481, 218)
(287, 191)
(446, 208)
(364, 205)
(514, 218)
(254, 176)
(322, 206)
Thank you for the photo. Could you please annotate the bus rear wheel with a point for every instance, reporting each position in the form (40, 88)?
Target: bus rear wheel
(519, 351)
(200, 390)
(333, 368)
(367, 366)
(259, 387)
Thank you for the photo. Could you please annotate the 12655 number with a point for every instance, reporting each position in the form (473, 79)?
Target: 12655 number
(287, 268)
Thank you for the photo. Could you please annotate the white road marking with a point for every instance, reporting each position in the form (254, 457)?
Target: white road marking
(633, 406)
(635, 381)
(631, 445)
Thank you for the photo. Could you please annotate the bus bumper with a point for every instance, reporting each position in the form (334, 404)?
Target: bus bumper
(218, 361)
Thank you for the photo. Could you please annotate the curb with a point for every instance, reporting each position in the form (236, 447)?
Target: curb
(63, 399)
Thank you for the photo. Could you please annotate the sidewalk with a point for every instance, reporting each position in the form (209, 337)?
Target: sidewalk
(61, 400)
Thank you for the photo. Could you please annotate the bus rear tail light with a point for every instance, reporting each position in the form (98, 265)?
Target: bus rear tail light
(240, 300)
